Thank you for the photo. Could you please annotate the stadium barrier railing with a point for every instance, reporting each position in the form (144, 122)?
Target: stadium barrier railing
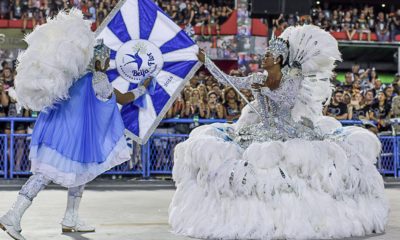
(156, 156)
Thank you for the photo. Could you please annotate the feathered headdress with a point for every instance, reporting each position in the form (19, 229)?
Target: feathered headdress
(278, 47)
(100, 53)
(58, 54)
(315, 52)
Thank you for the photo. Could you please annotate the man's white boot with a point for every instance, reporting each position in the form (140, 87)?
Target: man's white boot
(71, 221)
(11, 221)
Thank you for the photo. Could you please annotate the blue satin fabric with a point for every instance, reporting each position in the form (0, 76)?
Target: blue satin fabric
(82, 128)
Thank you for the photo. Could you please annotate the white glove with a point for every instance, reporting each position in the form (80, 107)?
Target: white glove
(139, 91)
(259, 78)
(12, 93)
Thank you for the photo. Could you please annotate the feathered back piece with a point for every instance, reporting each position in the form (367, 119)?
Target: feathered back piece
(58, 54)
(315, 52)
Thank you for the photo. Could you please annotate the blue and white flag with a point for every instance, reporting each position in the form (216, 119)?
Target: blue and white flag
(144, 41)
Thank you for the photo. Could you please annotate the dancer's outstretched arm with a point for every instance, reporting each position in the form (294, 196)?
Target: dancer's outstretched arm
(239, 82)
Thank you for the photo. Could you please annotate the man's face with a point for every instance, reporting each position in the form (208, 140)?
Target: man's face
(378, 84)
(348, 78)
(193, 81)
(338, 97)
(355, 68)
(356, 84)
(369, 96)
(7, 73)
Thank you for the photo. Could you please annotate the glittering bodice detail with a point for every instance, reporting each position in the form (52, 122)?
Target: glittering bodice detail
(275, 107)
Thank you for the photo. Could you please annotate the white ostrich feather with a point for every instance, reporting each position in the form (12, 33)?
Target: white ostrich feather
(57, 55)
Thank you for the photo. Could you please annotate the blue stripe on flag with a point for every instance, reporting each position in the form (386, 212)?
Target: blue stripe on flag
(159, 98)
(130, 116)
(113, 54)
(147, 18)
(112, 74)
(117, 26)
(180, 69)
(132, 86)
(181, 40)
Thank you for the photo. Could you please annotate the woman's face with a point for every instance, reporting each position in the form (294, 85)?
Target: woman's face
(212, 98)
(389, 91)
(7, 73)
(346, 98)
(196, 94)
(357, 97)
(381, 96)
(267, 61)
(202, 87)
(187, 93)
(231, 94)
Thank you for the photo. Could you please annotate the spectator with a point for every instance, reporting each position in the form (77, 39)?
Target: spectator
(389, 94)
(101, 13)
(187, 93)
(382, 28)
(214, 21)
(377, 86)
(214, 107)
(91, 12)
(380, 112)
(189, 14)
(348, 81)
(337, 108)
(348, 25)
(204, 22)
(362, 27)
(232, 105)
(195, 107)
(224, 14)
(395, 25)
(358, 110)
(365, 79)
(4, 9)
(346, 97)
(334, 81)
(395, 107)
(203, 91)
(194, 81)
(28, 14)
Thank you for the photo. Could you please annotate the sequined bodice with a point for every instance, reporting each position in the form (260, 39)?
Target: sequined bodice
(279, 102)
(275, 107)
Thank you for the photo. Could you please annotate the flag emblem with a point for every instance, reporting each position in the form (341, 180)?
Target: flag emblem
(145, 41)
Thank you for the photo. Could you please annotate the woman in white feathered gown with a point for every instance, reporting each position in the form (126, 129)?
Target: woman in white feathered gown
(283, 171)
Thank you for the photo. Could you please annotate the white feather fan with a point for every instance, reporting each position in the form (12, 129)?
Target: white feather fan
(316, 51)
(58, 54)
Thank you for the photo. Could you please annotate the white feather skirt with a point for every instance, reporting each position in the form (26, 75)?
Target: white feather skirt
(296, 189)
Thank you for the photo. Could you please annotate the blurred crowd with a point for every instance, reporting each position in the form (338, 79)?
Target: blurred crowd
(364, 20)
(205, 97)
(363, 96)
(205, 13)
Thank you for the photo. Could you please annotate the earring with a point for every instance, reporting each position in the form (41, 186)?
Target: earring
(274, 62)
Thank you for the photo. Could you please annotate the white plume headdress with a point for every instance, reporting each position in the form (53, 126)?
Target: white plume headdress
(58, 54)
(315, 52)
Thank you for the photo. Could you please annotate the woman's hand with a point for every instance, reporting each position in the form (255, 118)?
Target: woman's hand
(257, 86)
(147, 82)
(201, 55)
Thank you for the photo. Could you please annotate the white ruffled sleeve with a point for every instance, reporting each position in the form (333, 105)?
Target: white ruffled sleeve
(102, 86)
(239, 82)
